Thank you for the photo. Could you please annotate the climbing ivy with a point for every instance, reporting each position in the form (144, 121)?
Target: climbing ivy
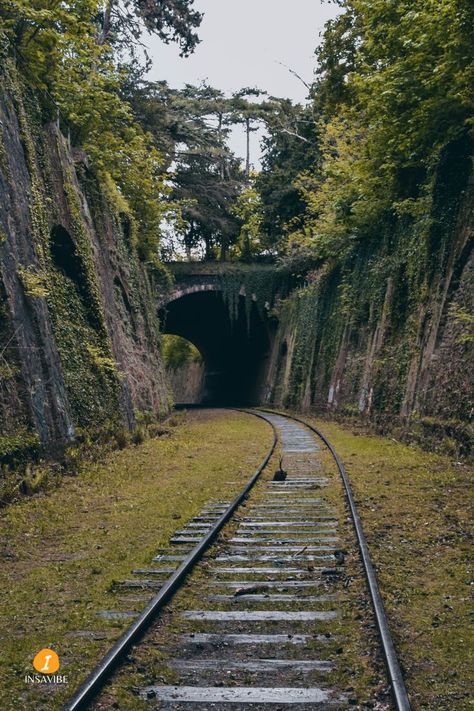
(259, 285)
(77, 315)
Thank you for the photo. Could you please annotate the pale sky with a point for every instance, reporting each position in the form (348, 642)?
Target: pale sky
(243, 44)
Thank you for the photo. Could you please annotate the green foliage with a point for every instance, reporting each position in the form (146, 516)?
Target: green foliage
(89, 370)
(394, 88)
(101, 361)
(464, 320)
(34, 283)
(81, 59)
(290, 147)
(18, 445)
(69, 52)
(170, 20)
(178, 351)
(248, 209)
(138, 435)
(99, 120)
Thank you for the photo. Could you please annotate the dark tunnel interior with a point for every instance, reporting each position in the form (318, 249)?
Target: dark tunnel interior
(234, 350)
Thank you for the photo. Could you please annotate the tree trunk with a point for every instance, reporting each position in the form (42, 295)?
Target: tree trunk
(104, 35)
(247, 164)
(208, 255)
(188, 238)
(222, 160)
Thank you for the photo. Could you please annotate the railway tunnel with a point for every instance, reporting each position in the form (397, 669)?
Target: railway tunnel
(234, 347)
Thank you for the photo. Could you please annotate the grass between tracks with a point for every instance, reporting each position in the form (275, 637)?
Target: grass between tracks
(62, 551)
(415, 509)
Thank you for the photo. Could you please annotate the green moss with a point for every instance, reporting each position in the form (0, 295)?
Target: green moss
(84, 250)
(392, 278)
(147, 281)
(16, 446)
(89, 371)
(101, 361)
(34, 283)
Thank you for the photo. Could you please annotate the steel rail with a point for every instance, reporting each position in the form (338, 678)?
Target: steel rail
(90, 687)
(394, 673)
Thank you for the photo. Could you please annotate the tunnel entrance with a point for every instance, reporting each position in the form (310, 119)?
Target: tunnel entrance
(234, 350)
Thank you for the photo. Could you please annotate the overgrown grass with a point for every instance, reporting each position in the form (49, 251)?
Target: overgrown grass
(62, 551)
(415, 509)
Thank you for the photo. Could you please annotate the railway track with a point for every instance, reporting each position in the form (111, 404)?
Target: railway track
(257, 625)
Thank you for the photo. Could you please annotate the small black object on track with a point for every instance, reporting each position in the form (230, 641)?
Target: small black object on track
(97, 678)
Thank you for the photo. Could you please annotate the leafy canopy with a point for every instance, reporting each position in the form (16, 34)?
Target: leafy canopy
(70, 53)
(394, 87)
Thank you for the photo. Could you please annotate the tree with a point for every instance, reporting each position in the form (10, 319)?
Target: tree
(249, 113)
(178, 351)
(248, 209)
(171, 20)
(191, 126)
(207, 201)
(393, 89)
(290, 147)
(406, 71)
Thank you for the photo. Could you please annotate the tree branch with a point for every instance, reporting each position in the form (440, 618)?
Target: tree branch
(295, 74)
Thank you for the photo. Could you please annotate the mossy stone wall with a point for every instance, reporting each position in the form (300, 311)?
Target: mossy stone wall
(386, 334)
(79, 334)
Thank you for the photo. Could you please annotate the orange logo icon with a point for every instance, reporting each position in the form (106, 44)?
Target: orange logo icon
(46, 662)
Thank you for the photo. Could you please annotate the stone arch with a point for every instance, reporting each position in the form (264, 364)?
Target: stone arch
(234, 347)
(180, 292)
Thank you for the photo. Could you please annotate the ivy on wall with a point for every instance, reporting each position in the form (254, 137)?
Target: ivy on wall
(386, 290)
(63, 270)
